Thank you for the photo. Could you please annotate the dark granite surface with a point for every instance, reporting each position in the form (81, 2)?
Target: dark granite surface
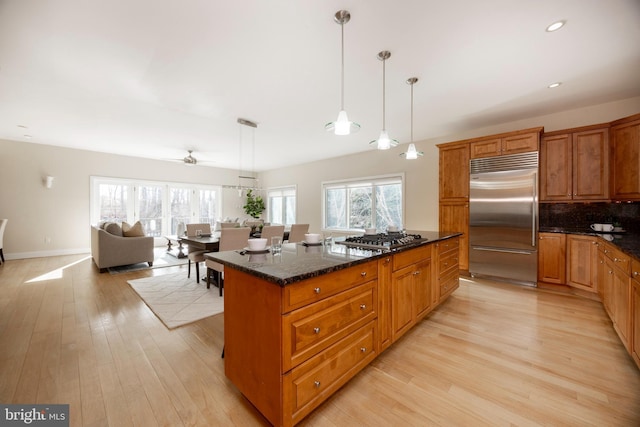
(299, 262)
(628, 242)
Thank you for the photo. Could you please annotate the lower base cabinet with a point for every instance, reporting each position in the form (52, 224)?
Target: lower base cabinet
(288, 349)
(635, 311)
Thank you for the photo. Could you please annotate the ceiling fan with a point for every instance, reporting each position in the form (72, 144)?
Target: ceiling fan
(189, 159)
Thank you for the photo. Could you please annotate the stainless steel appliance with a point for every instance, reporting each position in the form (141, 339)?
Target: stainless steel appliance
(382, 241)
(503, 218)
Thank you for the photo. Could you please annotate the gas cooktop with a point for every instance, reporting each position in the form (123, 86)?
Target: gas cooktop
(382, 241)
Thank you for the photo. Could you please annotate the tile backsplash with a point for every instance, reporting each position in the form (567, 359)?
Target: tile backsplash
(581, 215)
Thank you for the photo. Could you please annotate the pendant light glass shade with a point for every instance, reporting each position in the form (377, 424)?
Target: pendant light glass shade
(412, 153)
(384, 142)
(342, 126)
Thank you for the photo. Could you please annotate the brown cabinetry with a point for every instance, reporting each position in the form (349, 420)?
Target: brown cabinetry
(455, 217)
(513, 143)
(454, 172)
(616, 293)
(384, 302)
(582, 262)
(574, 164)
(410, 288)
(635, 311)
(625, 141)
(447, 268)
(552, 258)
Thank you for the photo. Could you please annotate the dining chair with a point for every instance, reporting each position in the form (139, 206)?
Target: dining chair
(269, 231)
(229, 225)
(230, 239)
(3, 225)
(297, 232)
(196, 255)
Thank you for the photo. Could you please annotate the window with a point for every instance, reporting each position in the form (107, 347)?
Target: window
(281, 205)
(364, 203)
(159, 206)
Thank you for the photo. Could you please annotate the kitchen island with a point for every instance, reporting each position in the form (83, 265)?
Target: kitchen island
(300, 324)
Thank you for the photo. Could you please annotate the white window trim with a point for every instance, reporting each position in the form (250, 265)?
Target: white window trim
(284, 189)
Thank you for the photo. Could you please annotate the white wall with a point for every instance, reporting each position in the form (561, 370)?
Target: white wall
(62, 212)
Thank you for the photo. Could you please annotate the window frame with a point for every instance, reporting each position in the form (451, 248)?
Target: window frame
(282, 190)
(374, 181)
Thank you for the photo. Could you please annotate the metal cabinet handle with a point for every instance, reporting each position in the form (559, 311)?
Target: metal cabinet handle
(316, 330)
(635, 273)
(363, 306)
(317, 384)
(363, 349)
(364, 273)
(316, 290)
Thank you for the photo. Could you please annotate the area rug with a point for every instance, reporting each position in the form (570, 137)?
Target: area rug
(177, 300)
(160, 259)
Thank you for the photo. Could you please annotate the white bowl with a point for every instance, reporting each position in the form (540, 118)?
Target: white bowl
(312, 238)
(392, 228)
(257, 244)
(369, 231)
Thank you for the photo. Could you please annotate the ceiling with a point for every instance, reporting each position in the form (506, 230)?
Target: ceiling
(155, 79)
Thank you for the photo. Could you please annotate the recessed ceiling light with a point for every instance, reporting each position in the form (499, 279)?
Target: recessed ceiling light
(28, 136)
(556, 84)
(555, 26)
(22, 126)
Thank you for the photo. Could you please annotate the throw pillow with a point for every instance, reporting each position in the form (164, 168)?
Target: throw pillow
(113, 228)
(134, 230)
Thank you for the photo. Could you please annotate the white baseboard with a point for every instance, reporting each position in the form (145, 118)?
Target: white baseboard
(42, 254)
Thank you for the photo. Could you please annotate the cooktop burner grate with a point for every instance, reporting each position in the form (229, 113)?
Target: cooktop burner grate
(383, 241)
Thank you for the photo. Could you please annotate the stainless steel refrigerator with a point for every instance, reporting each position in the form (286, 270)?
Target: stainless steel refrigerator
(503, 218)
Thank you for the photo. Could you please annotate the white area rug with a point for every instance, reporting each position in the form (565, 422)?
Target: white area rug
(177, 300)
(161, 259)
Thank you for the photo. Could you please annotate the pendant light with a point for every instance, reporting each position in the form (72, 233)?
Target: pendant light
(384, 142)
(412, 153)
(342, 126)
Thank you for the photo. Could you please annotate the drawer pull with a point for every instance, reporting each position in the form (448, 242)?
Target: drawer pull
(363, 349)
(363, 274)
(415, 273)
(635, 273)
(316, 330)
(317, 384)
(316, 290)
(363, 306)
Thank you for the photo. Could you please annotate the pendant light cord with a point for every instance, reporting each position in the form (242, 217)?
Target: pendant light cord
(342, 69)
(411, 112)
(384, 79)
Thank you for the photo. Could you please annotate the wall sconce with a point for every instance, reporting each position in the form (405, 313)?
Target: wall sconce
(48, 181)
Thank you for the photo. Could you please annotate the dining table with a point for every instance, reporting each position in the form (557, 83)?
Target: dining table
(206, 243)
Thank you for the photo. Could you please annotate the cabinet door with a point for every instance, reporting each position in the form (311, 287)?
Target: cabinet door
(635, 318)
(486, 148)
(622, 305)
(402, 301)
(555, 168)
(625, 140)
(422, 288)
(384, 302)
(551, 258)
(454, 172)
(582, 262)
(522, 143)
(455, 217)
(591, 165)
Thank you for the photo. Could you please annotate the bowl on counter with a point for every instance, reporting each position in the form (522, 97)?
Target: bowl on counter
(257, 244)
(312, 238)
(369, 231)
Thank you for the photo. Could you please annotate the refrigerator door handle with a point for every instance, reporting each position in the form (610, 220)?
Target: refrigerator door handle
(534, 203)
(509, 251)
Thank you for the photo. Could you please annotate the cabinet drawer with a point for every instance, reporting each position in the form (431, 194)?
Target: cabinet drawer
(449, 284)
(403, 259)
(314, 381)
(311, 329)
(619, 258)
(448, 262)
(449, 245)
(635, 272)
(318, 288)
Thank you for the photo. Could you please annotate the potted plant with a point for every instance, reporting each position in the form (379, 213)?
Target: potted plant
(254, 206)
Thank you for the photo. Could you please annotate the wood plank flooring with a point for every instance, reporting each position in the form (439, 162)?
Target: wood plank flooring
(492, 355)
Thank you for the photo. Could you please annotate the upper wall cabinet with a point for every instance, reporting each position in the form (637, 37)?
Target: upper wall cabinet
(574, 164)
(454, 172)
(625, 144)
(522, 141)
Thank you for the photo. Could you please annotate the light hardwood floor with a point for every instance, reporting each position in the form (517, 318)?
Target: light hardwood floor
(492, 355)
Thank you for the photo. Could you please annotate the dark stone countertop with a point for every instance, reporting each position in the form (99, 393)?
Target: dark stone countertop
(299, 262)
(628, 243)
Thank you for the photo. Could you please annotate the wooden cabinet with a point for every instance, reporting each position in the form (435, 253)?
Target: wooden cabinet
(454, 172)
(582, 262)
(512, 143)
(574, 164)
(635, 311)
(384, 302)
(410, 288)
(617, 292)
(625, 141)
(448, 274)
(552, 258)
(455, 217)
